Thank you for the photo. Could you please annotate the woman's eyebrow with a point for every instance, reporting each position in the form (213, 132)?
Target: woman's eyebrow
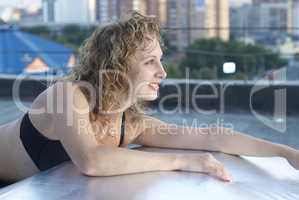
(149, 56)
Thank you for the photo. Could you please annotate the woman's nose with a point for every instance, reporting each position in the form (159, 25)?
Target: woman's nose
(161, 73)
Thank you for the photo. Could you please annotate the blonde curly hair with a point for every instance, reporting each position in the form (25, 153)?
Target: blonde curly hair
(111, 48)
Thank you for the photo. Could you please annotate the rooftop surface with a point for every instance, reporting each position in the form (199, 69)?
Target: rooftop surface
(253, 178)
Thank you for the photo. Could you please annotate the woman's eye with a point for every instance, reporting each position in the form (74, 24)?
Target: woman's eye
(150, 62)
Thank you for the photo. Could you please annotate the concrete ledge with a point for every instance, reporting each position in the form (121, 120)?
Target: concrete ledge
(29, 87)
(222, 96)
(226, 96)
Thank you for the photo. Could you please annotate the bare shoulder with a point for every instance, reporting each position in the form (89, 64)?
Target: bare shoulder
(61, 96)
(68, 100)
(60, 100)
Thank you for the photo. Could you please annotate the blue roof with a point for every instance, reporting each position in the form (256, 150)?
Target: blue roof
(18, 49)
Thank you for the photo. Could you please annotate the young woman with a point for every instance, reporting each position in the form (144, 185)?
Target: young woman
(92, 115)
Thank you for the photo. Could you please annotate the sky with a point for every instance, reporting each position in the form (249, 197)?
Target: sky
(27, 3)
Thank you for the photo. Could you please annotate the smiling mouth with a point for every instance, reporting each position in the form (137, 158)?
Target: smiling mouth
(154, 86)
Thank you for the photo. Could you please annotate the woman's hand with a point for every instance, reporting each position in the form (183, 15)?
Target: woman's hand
(204, 163)
(293, 158)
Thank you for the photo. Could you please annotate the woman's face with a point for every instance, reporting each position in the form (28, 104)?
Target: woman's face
(147, 71)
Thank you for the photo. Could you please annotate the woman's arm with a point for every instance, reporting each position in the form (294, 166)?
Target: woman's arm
(161, 134)
(95, 160)
(117, 161)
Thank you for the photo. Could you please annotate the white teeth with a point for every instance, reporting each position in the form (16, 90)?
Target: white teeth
(155, 86)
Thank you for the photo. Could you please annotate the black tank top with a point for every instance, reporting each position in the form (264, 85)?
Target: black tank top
(46, 153)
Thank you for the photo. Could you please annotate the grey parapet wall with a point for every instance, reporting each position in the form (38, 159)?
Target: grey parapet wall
(231, 95)
(222, 96)
(25, 87)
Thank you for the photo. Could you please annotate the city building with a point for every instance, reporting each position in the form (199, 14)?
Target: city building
(111, 10)
(295, 17)
(157, 8)
(267, 1)
(193, 19)
(163, 12)
(106, 10)
(178, 22)
(240, 21)
(48, 10)
(265, 21)
(31, 17)
(69, 11)
(184, 20)
(280, 13)
(217, 19)
(99, 11)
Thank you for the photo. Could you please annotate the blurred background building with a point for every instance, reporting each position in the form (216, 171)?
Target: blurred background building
(68, 11)
(194, 19)
(190, 15)
(273, 24)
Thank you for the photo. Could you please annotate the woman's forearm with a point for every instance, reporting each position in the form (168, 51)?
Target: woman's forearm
(237, 143)
(107, 161)
(215, 139)
(242, 144)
